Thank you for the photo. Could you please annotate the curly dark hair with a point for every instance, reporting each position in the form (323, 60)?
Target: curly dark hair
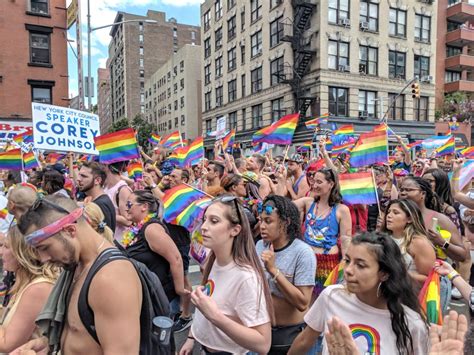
(288, 214)
(432, 200)
(442, 185)
(397, 289)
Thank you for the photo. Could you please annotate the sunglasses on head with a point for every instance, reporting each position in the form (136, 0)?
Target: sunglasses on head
(228, 199)
(40, 201)
(267, 208)
(328, 170)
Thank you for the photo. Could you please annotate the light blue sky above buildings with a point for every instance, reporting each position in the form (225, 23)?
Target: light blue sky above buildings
(103, 12)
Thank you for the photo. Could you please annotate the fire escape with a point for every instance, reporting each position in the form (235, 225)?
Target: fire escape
(297, 32)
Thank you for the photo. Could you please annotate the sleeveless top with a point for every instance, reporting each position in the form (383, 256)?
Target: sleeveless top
(142, 252)
(112, 193)
(297, 183)
(407, 258)
(321, 232)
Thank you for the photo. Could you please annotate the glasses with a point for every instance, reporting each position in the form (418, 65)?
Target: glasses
(267, 208)
(311, 174)
(227, 199)
(130, 204)
(408, 189)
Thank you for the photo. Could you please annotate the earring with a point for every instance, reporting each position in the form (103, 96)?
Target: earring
(378, 289)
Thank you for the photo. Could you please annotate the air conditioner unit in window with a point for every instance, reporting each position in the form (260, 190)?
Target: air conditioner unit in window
(364, 25)
(363, 114)
(344, 22)
(427, 79)
(427, 1)
(343, 68)
(362, 69)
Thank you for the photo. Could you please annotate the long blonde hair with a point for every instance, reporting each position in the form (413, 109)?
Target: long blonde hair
(30, 266)
(95, 217)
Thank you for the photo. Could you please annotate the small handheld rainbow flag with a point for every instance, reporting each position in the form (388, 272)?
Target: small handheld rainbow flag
(315, 122)
(358, 188)
(117, 146)
(414, 144)
(177, 199)
(195, 152)
(430, 299)
(336, 276)
(135, 170)
(178, 157)
(305, 147)
(172, 140)
(53, 158)
(280, 132)
(228, 140)
(447, 148)
(371, 148)
(468, 152)
(3, 213)
(191, 213)
(383, 127)
(154, 139)
(11, 160)
(25, 137)
(343, 148)
(453, 126)
(346, 129)
(29, 161)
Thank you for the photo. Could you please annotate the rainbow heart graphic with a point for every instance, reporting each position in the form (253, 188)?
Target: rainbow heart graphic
(209, 288)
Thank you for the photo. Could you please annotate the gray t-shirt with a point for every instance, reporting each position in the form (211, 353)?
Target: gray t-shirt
(296, 262)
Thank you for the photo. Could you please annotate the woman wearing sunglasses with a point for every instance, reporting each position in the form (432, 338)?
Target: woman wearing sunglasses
(290, 267)
(234, 306)
(326, 221)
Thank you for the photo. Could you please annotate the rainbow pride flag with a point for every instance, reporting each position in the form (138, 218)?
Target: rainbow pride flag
(191, 213)
(383, 127)
(336, 276)
(25, 137)
(177, 199)
(414, 144)
(305, 147)
(262, 148)
(29, 161)
(315, 122)
(430, 299)
(447, 148)
(453, 126)
(154, 139)
(280, 132)
(178, 157)
(195, 152)
(117, 146)
(371, 148)
(343, 148)
(11, 160)
(468, 152)
(53, 158)
(358, 188)
(346, 129)
(228, 140)
(172, 140)
(3, 213)
(135, 170)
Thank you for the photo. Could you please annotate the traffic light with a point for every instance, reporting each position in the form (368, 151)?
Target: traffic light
(415, 90)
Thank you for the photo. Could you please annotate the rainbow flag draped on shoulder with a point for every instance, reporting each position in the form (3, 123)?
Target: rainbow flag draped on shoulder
(280, 132)
(430, 298)
(11, 160)
(358, 188)
(117, 146)
(371, 148)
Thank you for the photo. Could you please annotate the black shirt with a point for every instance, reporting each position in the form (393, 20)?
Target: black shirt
(179, 234)
(108, 209)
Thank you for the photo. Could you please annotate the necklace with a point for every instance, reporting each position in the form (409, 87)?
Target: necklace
(323, 214)
(130, 236)
(74, 280)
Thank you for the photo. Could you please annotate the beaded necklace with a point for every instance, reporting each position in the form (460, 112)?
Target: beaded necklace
(130, 236)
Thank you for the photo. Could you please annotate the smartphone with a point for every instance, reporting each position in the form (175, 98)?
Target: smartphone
(434, 225)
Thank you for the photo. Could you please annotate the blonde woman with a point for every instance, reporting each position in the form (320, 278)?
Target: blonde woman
(96, 219)
(33, 284)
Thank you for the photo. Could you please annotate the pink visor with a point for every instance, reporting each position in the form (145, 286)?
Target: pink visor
(48, 231)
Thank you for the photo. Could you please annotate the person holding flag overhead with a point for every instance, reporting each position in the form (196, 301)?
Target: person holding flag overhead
(402, 157)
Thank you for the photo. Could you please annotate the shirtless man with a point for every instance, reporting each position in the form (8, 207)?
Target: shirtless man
(114, 296)
(256, 163)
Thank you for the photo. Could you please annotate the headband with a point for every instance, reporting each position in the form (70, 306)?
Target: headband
(48, 231)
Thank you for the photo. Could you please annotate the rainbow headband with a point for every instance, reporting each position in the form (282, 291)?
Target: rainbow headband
(48, 231)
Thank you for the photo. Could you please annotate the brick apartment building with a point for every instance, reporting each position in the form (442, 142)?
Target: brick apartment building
(136, 51)
(103, 99)
(33, 56)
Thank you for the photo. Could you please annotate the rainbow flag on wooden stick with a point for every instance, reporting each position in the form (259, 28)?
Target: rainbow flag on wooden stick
(228, 140)
(280, 132)
(447, 148)
(29, 161)
(11, 160)
(358, 188)
(430, 298)
(371, 148)
(172, 140)
(154, 139)
(117, 146)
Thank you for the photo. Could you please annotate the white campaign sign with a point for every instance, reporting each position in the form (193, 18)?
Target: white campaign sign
(220, 127)
(57, 128)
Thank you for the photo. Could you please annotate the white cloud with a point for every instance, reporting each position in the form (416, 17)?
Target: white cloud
(182, 2)
(102, 62)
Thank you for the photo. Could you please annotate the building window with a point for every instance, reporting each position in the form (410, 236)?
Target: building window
(276, 31)
(209, 125)
(338, 10)
(183, 120)
(142, 73)
(396, 65)
(242, 54)
(397, 111)
(232, 90)
(181, 66)
(368, 58)
(207, 47)
(230, 4)
(339, 101)
(41, 92)
(242, 20)
(231, 28)
(141, 62)
(233, 120)
(369, 15)
(141, 51)
(257, 118)
(207, 74)
(338, 55)
(367, 103)
(397, 22)
(276, 71)
(207, 101)
(244, 85)
(231, 59)
(140, 38)
(422, 28)
(420, 108)
(277, 109)
(40, 48)
(193, 35)
(256, 42)
(255, 10)
(450, 76)
(39, 7)
(219, 96)
(181, 84)
(207, 20)
(175, 32)
(422, 66)
(275, 3)
(140, 26)
(256, 80)
(218, 9)
(218, 67)
(452, 51)
(181, 102)
(218, 37)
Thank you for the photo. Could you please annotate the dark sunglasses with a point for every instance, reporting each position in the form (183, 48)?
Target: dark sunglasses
(228, 199)
(130, 204)
(311, 174)
(267, 208)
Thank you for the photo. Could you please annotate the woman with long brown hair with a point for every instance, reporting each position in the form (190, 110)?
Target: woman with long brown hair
(234, 305)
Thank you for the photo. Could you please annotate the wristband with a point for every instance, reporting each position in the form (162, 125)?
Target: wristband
(452, 275)
(276, 275)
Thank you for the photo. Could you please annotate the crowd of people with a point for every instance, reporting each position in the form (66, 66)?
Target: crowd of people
(273, 236)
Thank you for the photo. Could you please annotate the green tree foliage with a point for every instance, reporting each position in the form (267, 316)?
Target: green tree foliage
(143, 127)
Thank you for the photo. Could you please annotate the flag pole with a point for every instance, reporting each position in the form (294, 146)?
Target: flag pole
(180, 138)
(376, 192)
(195, 188)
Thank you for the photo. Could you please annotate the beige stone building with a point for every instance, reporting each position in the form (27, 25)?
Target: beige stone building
(173, 94)
(264, 59)
(136, 51)
(104, 99)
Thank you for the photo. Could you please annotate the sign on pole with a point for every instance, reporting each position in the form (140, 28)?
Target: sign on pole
(221, 127)
(57, 128)
(71, 13)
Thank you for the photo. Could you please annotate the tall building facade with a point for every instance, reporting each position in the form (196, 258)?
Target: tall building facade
(33, 56)
(136, 51)
(264, 59)
(173, 94)
(104, 99)
(455, 52)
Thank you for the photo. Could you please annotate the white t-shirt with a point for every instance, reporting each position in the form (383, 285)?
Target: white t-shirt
(239, 295)
(371, 327)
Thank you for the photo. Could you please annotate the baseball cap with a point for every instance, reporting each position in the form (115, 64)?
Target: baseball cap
(297, 158)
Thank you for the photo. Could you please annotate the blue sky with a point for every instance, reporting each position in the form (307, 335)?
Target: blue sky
(103, 13)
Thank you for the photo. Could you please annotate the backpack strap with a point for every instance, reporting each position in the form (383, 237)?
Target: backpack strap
(86, 314)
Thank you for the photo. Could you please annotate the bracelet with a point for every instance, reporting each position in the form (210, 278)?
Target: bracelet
(276, 275)
(452, 275)
(455, 179)
(153, 186)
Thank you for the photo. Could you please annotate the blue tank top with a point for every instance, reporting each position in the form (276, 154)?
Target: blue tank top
(296, 185)
(321, 232)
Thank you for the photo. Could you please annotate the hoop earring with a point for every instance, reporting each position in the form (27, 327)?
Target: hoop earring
(378, 289)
